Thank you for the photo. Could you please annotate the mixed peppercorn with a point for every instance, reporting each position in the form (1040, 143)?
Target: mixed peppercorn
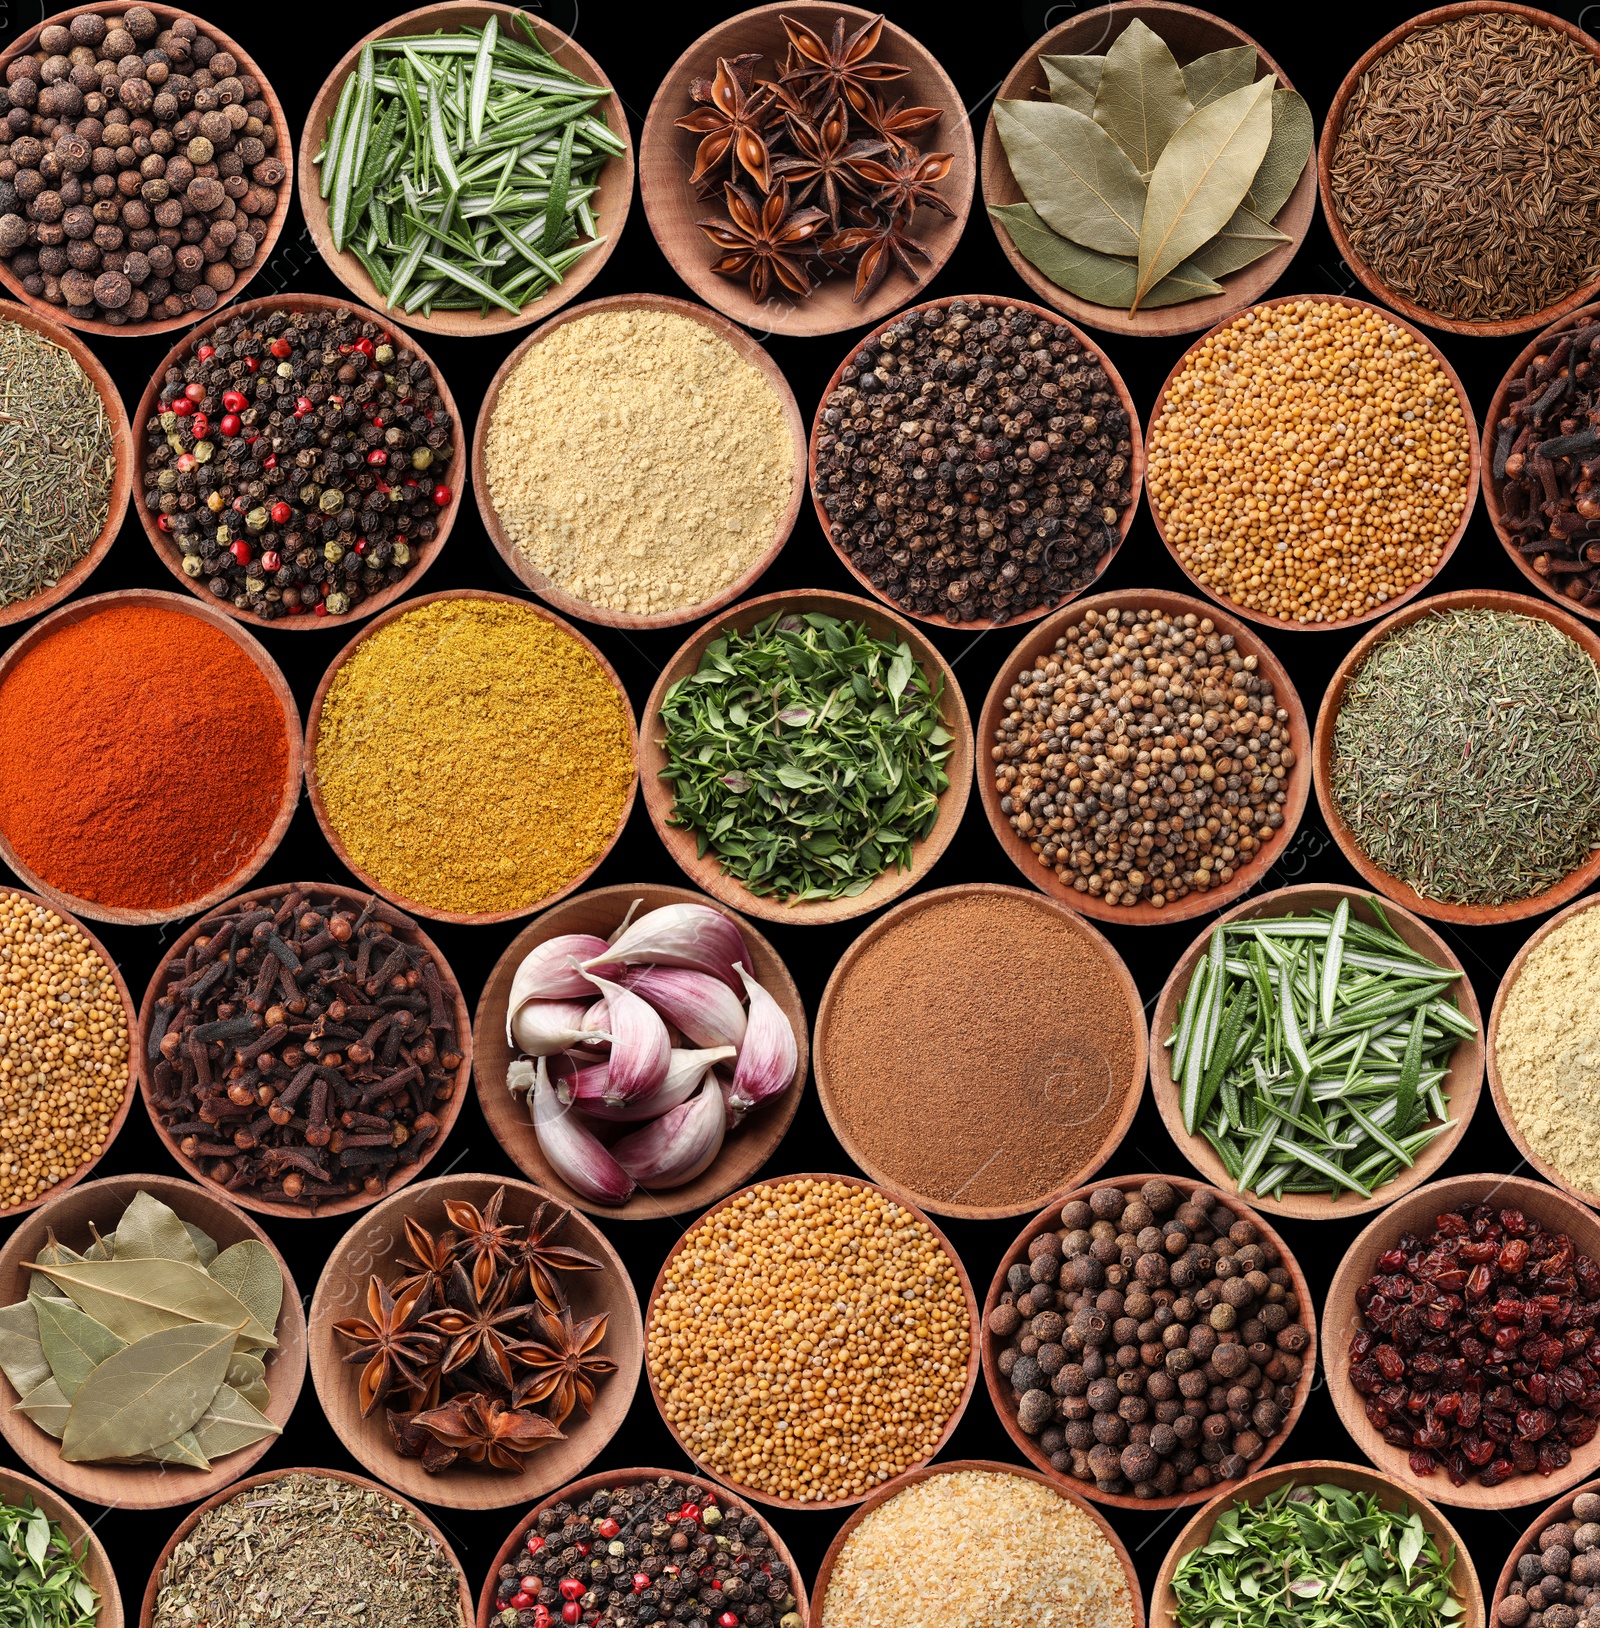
(1480, 1352)
(299, 462)
(1557, 1583)
(648, 1555)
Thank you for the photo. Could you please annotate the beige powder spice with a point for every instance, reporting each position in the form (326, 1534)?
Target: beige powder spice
(1548, 1050)
(638, 461)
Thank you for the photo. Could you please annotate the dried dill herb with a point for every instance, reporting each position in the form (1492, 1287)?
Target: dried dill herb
(1466, 756)
(807, 754)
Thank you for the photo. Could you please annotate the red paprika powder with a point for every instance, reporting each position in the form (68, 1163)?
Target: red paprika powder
(143, 756)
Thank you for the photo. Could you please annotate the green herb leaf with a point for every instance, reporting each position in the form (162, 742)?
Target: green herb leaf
(249, 1272)
(1078, 179)
(1288, 152)
(1141, 100)
(1073, 81)
(74, 1343)
(1218, 72)
(1242, 241)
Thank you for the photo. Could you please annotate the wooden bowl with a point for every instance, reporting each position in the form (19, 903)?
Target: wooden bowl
(146, 1486)
(950, 1423)
(1462, 1083)
(1498, 408)
(376, 1246)
(586, 1488)
(273, 228)
(1466, 915)
(1052, 918)
(424, 554)
(1391, 1494)
(448, 1113)
(153, 1587)
(1334, 124)
(1387, 608)
(924, 1472)
(1415, 1213)
(72, 579)
(527, 572)
(612, 202)
(1135, 467)
(1560, 1510)
(1035, 646)
(666, 159)
(746, 1149)
(459, 918)
(1049, 1220)
(1190, 33)
(707, 872)
(80, 1535)
(154, 599)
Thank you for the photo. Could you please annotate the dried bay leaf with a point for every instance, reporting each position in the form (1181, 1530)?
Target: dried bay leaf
(205, 1246)
(1241, 242)
(102, 1249)
(142, 1297)
(1078, 179)
(244, 1370)
(1141, 100)
(1201, 178)
(147, 1394)
(47, 1407)
(150, 1230)
(74, 1343)
(1073, 80)
(1293, 131)
(1218, 72)
(184, 1450)
(22, 1357)
(54, 1253)
(249, 1273)
(231, 1422)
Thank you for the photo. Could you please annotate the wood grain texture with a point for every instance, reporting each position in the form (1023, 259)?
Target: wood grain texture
(1053, 918)
(1190, 33)
(146, 1486)
(1462, 1083)
(1464, 915)
(376, 1247)
(1049, 1220)
(611, 204)
(666, 160)
(1033, 648)
(745, 1149)
(81, 610)
(524, 568)
(80, 1535)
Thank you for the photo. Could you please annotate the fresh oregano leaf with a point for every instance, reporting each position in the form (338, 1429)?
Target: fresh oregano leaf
(249, 1272)
(22, 1357)
(74, 1343)
(47, 1407)
(1073, 80)
(229, 1423)
(1141, 100)
(1288, 152)
(1078, 179)
(1243, 240)
(1201, 178)
(1219, 72)
(141, 1297)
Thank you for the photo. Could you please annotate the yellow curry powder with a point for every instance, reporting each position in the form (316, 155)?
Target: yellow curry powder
(473, 756)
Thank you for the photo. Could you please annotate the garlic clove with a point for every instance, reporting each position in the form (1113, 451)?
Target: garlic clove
(681, 935)
(684, 1074)
(703, 1007)
(574, 1074)
(768, 1056)
(541, 1028)
(675, 1148)
(640, 1047)
(575, 1153)
(548, 972)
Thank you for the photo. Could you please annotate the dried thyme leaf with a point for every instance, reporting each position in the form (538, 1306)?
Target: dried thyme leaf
(1081, 182)
(1106, 279)
(1073, 80)
(1219, 72)
(1293, 131)
(1141, 101)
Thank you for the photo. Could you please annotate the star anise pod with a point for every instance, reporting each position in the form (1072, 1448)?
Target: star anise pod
(486, 1241)
(744, 69)
(475, 1326)
(394, 1343)
(479, 1427)
(827, 160)
(431, 1255)
(410, 1441)
(897, 122)
(905, 179)
(827, 69)
(542, 1258)
(730, 126)
(561, 1367)
(880, 242)
(765, 240)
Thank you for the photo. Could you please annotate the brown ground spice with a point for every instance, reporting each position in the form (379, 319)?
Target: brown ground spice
(980, 1049)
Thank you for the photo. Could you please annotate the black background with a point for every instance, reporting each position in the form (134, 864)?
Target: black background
(297, 44)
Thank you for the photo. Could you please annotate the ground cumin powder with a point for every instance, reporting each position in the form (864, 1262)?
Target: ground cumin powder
(473, 756)
(980, 1049)
(638, 460)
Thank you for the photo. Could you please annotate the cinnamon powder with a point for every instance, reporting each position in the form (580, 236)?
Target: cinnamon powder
(980, 1049)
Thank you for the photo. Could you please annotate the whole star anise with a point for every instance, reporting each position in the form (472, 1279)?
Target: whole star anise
(561, 1367)
(411, 1442)
(880, 243)
(905, 179)
(476, 1326)
(431, 1255)
(542, 1258)
(393, 1342)
(765, 241)
(480, 1427)
(826, 69)
(898, 122)
(730, 125)
(827, 161)
(486, 1241)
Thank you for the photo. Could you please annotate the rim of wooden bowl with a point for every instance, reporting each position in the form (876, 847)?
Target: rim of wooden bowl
(1469, 505)
(183, 605)
(341, 1291)
(1334, 124)
(666, 157)
(1049, 1220)
(152, 1589)
(347, 1204)
(130, 1017)
(1354, 1477)
(1497, 1090)
(148, 1486)
(71, 580)
(746, 1148)
(1415, 1213)
(973, 1324)
(1559, 1510)
(1575, 318)
(79, 1533)
(925, 1472)
(1136, 464)
(616, 175)
(1063, 918)
(1036, 643)
(1462, 1083)
(166, 16)
(1391, 887)
(457, 918)
(1239, 288)
(706, 872)
(575, 1492)
(531, 576)
(426, 553)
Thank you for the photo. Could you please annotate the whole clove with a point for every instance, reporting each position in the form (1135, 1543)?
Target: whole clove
(304, 1052)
